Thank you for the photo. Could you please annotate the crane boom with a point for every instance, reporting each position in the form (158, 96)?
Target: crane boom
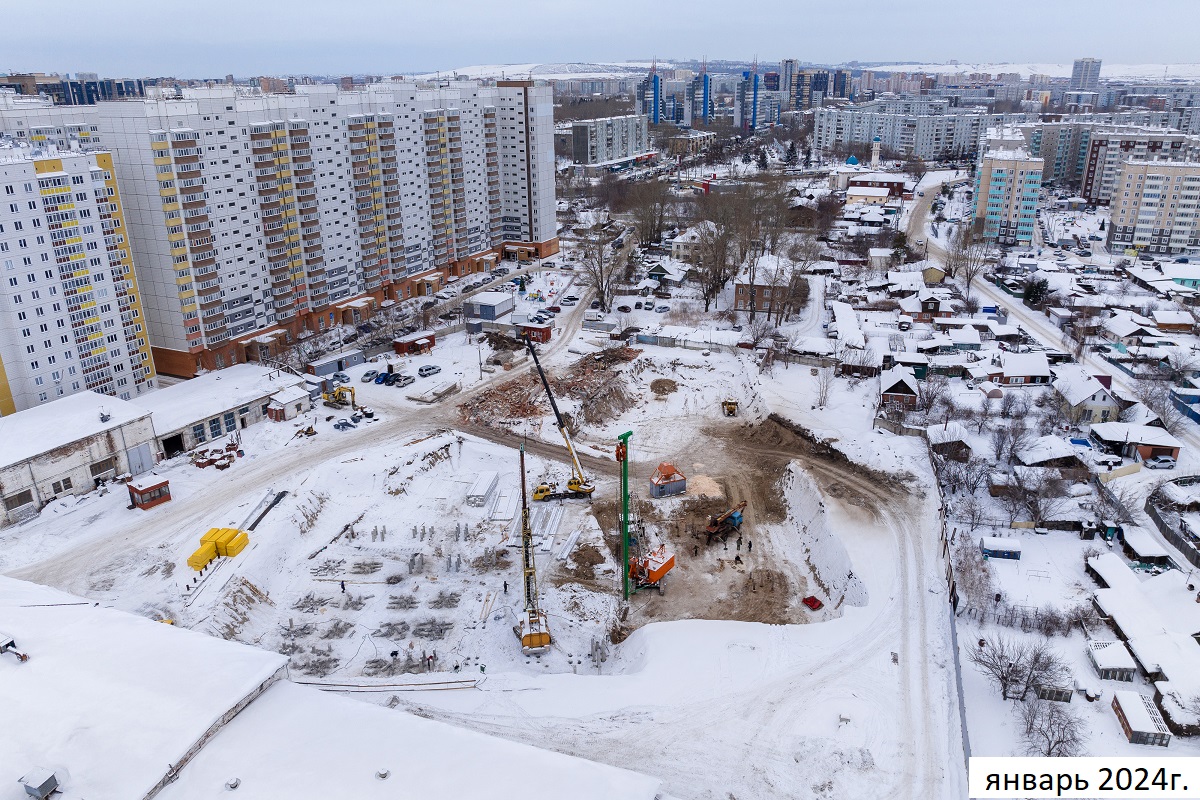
(533, 630)
(579, 482)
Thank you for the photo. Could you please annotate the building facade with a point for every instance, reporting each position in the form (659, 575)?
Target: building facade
(610, 139)
(71, 314)
(251, 212)
(1155, 207)
(1085, 74)
(1007, 184)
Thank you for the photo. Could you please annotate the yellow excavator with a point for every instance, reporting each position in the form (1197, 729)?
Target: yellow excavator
(340, 397)
(578, 485)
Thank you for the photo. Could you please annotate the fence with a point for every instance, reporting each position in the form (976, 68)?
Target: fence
(1128, 469)
(1188, 546)
(898, 428)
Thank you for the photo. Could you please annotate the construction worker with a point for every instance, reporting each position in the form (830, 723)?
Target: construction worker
(737, 559)
(506, 587)
(739, 544)
(343, 587)
(696, 550)
(749, 545)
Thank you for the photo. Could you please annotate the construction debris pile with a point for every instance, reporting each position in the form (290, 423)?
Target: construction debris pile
(591, 380)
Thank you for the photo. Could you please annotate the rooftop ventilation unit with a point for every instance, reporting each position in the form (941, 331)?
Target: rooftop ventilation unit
(40, 783)
(8, 645)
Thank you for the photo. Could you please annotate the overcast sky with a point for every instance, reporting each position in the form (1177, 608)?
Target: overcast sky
(253, 37)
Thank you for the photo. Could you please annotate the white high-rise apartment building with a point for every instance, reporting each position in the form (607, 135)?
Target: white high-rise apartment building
(1156, 207)
(71, 316)
(255, 218)
(1085, 74)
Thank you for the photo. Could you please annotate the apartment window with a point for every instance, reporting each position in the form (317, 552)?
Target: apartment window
(61, 486)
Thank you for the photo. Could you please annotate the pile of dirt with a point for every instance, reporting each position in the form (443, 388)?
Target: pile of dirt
(514, 399)
(663, 386)
(501, 343)
(784, 435)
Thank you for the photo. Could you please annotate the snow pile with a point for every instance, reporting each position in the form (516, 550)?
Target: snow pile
(819, 547)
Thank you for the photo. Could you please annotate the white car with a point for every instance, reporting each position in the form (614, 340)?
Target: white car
(1160, 462)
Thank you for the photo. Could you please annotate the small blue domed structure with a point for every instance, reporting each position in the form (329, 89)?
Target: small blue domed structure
(877, 139)
(852, 161)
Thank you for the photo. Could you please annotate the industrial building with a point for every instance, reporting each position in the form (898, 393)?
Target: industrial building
(237, 199)
(71, 313)
(64, 447)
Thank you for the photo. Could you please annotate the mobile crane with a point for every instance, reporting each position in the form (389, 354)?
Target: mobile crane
(533, 630)
(578, 485)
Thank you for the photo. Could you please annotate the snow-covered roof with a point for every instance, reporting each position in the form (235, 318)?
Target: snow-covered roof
(190, 402)
(1123, 328)
(46, 427)
(1165, 316)
(1140, 712)
(103, 684)
(946, 432)
(1000, 543)
(692, 234)
(491, 298)
(1142, 543)
(1111, 655)
(889, 379)
(880, 252)
(114, 697)
(1025, 365)
(1181, 494)
(1113, 571)
(1076, 384)
(289, 394)
(304, 744)
(868, 191)
(1138, 434)
(877, 177)
(905, 281)
(848, 330)
(964, 335)
(1043, 449)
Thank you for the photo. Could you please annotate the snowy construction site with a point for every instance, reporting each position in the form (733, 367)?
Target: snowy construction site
(756, 610)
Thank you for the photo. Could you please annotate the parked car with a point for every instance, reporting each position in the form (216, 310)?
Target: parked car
(1181, 260)
(568, 267)
(524, 262)
(554, 309)
(813, 603)
(381, 377)
(404, 380)
(428, 304)
(1160, 462)
(572, 298)
(429, 369)
(550, 263)
(369, 375)
(341, 377)
(624, 309)
(661, 309)
(567, 301)
(595, 304)
(638, 305)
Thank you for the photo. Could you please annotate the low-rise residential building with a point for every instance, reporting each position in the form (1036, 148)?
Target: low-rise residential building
(1022, 369)
(1156, 207)
(686, 246)
(1135, 441)
(690, 142)
(898, 388)
(1085, 397)
(67, 446)
(895, 184)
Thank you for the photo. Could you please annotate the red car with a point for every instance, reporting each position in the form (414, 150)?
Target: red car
(813, 603)
(554, 309)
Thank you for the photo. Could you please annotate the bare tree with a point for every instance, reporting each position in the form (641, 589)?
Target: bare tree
(972, 511)
(825, 378)
(1051, 729)
(975, 474)
(1156, 396)
(970, 570)
(1002, 659)
(1019, 437)
(600, 268)
(715, 245)
(931, 391)
(650, 204)
(987, 410)
(968, 256)
(759, 330)
(1180, 363)
(999, 441)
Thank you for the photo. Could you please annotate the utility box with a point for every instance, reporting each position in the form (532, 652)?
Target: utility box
(39, 782)
(667, 481)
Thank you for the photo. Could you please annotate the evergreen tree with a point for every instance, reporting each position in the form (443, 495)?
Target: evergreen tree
(791, 156)
(762, 158)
